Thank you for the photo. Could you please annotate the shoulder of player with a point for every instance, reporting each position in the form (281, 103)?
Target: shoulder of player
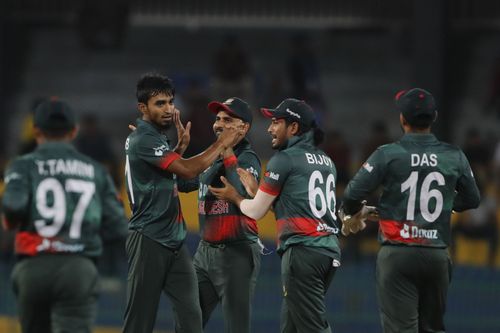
(145, 139)
(247, 154)
(19, 162)
(281, 157)
(449, 146)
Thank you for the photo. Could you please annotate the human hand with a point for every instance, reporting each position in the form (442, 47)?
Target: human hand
(183, 133)
(231, 135)
(132, 127)
(249, 182)
(356, 222)
(228, 192)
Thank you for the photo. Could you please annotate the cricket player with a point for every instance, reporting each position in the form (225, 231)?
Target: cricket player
(300, 185)
(423, 181)
(157, 256)
(227, 260)
(63, 205)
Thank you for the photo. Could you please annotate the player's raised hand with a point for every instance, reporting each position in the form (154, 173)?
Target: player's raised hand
(183, 133)
(249, 182)
(231, 135)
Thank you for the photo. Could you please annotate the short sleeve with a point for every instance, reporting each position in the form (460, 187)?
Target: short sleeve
(467, 191)
(366, 180)
(16, 196)
(247, 161)
(277, 171)
(153, 150)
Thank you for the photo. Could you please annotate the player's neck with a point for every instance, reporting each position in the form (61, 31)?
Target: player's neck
(414, 130)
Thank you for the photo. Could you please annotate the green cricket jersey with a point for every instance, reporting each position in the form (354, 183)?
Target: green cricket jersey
(65, 201)
(152, 191)
(423, 180)
(303, 177)
(220, 220)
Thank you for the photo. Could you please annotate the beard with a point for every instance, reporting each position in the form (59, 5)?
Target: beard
(166, 127)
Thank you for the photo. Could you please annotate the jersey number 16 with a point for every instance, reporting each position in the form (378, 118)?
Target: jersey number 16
(426, 194)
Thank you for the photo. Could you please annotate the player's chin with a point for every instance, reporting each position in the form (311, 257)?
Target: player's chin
(275, 143)
(165, 123)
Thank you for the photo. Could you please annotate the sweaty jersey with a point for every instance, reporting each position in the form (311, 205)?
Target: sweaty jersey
(64, 200)
(303, 178)
(152, 190)
(423, 180)
(220, 220)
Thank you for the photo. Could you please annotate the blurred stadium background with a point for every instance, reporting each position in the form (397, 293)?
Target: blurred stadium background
(346, 58)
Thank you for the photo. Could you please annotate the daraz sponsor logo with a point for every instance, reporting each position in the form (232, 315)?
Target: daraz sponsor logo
(416, 232)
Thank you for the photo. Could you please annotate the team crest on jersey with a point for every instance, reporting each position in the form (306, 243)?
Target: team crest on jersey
(159, 150)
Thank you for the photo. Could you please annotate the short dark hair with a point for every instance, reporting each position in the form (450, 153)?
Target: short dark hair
(422, 121)
(152, 84)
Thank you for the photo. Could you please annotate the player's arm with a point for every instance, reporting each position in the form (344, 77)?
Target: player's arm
(467, 192)
(366, 180)
(254, 208)
(16, 197)
(354, 211)
(246, 161)
(191, 167)
(152, 150)
(277, 171)
(114, 222)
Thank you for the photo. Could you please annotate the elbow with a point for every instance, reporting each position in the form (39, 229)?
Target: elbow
(255, 215)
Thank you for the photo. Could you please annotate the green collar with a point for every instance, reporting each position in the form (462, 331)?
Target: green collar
(418, 137)
(55, 144)
(305, 139)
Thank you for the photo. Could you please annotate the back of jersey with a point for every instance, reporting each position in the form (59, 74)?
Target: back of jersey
(303, 177)
(62, 192)
(420, 178)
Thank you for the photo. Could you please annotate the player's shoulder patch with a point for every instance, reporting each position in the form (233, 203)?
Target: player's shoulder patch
(368, 167)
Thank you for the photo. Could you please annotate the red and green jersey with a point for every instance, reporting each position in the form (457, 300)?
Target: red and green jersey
(152, 190)
(423, 180)
(65, 202)
(220, 220)
(303, 178)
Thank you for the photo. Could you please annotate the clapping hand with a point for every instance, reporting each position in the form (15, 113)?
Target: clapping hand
(249, 182)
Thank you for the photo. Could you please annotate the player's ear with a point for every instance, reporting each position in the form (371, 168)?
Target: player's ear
(37, 133)
(246, 127)
(294, 128)
(142, 108)
(402, 120)
(74, 132)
